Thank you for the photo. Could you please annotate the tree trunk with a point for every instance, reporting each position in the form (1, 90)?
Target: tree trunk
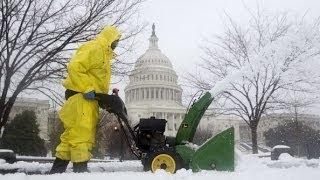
(254, 140)
(6, 112)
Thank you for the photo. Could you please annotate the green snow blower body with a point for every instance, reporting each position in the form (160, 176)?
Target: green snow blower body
(157, 151)
(216, 153)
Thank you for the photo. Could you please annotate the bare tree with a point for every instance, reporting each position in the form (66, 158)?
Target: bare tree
(266, 54)
(202, 135)
(111, 140)
(55, 129)
(36, 38)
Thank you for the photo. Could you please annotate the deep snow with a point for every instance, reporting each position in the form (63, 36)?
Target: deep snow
(247, 167)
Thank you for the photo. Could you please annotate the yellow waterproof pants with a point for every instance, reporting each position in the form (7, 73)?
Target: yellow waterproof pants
(79, 117)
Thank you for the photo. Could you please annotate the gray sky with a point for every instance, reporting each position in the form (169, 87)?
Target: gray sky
(182, 25)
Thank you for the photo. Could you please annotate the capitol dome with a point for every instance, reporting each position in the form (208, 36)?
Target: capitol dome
(153, 89)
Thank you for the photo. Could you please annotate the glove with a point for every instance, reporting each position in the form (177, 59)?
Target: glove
(89, 95)
(111, 103)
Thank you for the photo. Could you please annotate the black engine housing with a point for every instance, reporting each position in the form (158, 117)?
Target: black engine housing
(150, 133)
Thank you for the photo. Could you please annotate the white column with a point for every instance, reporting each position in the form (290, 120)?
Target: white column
(132, 94)
(129, 95)
(172, 92)
(173, 95)
(161, 93)
(145, 93)
(167, 94)
(173, 121)
(137, 94)
(126, 97)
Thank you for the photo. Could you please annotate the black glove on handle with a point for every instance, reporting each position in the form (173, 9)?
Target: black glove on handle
(112, 103)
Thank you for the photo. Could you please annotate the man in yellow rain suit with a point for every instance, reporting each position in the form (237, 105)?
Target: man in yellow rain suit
(89, 73)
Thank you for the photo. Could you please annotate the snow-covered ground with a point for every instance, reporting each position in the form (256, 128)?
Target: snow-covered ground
(247, 167)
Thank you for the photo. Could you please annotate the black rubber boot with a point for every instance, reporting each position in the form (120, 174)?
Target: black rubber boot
(80, 167)
(59, 166)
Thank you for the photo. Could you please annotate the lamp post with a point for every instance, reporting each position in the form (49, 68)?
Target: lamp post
(121, 143)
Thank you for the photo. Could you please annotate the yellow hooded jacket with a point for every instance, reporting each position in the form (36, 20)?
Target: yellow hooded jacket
(88, 70)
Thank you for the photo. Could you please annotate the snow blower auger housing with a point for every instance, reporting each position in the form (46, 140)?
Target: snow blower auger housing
(157, 151)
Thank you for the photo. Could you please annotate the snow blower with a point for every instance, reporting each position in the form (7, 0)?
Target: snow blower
(157, 151)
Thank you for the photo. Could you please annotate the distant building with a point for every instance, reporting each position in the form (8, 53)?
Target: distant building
(41, 109)
(153, 89)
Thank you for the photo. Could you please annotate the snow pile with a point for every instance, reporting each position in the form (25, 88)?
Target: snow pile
(247, 167)
(285, 157)
(27, 166)
(2, 161)
(283, 174)
(281, 147)
(35, 167)
(191, 145)
(6, 151)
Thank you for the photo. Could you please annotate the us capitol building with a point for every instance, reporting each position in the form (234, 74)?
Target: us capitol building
(153, 89)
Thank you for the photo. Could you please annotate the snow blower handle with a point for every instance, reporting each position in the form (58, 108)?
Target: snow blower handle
(112, 104)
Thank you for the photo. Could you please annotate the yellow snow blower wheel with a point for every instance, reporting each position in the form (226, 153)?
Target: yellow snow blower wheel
(165, 162)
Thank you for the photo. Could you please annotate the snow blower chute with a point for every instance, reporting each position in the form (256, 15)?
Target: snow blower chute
(157, 151)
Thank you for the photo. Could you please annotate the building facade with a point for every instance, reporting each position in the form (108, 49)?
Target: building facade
(41, 109)
(153, 88)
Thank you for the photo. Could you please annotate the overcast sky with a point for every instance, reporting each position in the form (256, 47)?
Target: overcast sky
(182, 25)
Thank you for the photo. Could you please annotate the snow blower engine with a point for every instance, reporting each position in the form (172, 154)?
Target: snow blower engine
(157, 151)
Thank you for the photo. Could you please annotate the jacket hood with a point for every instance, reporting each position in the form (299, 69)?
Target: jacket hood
(108, 35)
